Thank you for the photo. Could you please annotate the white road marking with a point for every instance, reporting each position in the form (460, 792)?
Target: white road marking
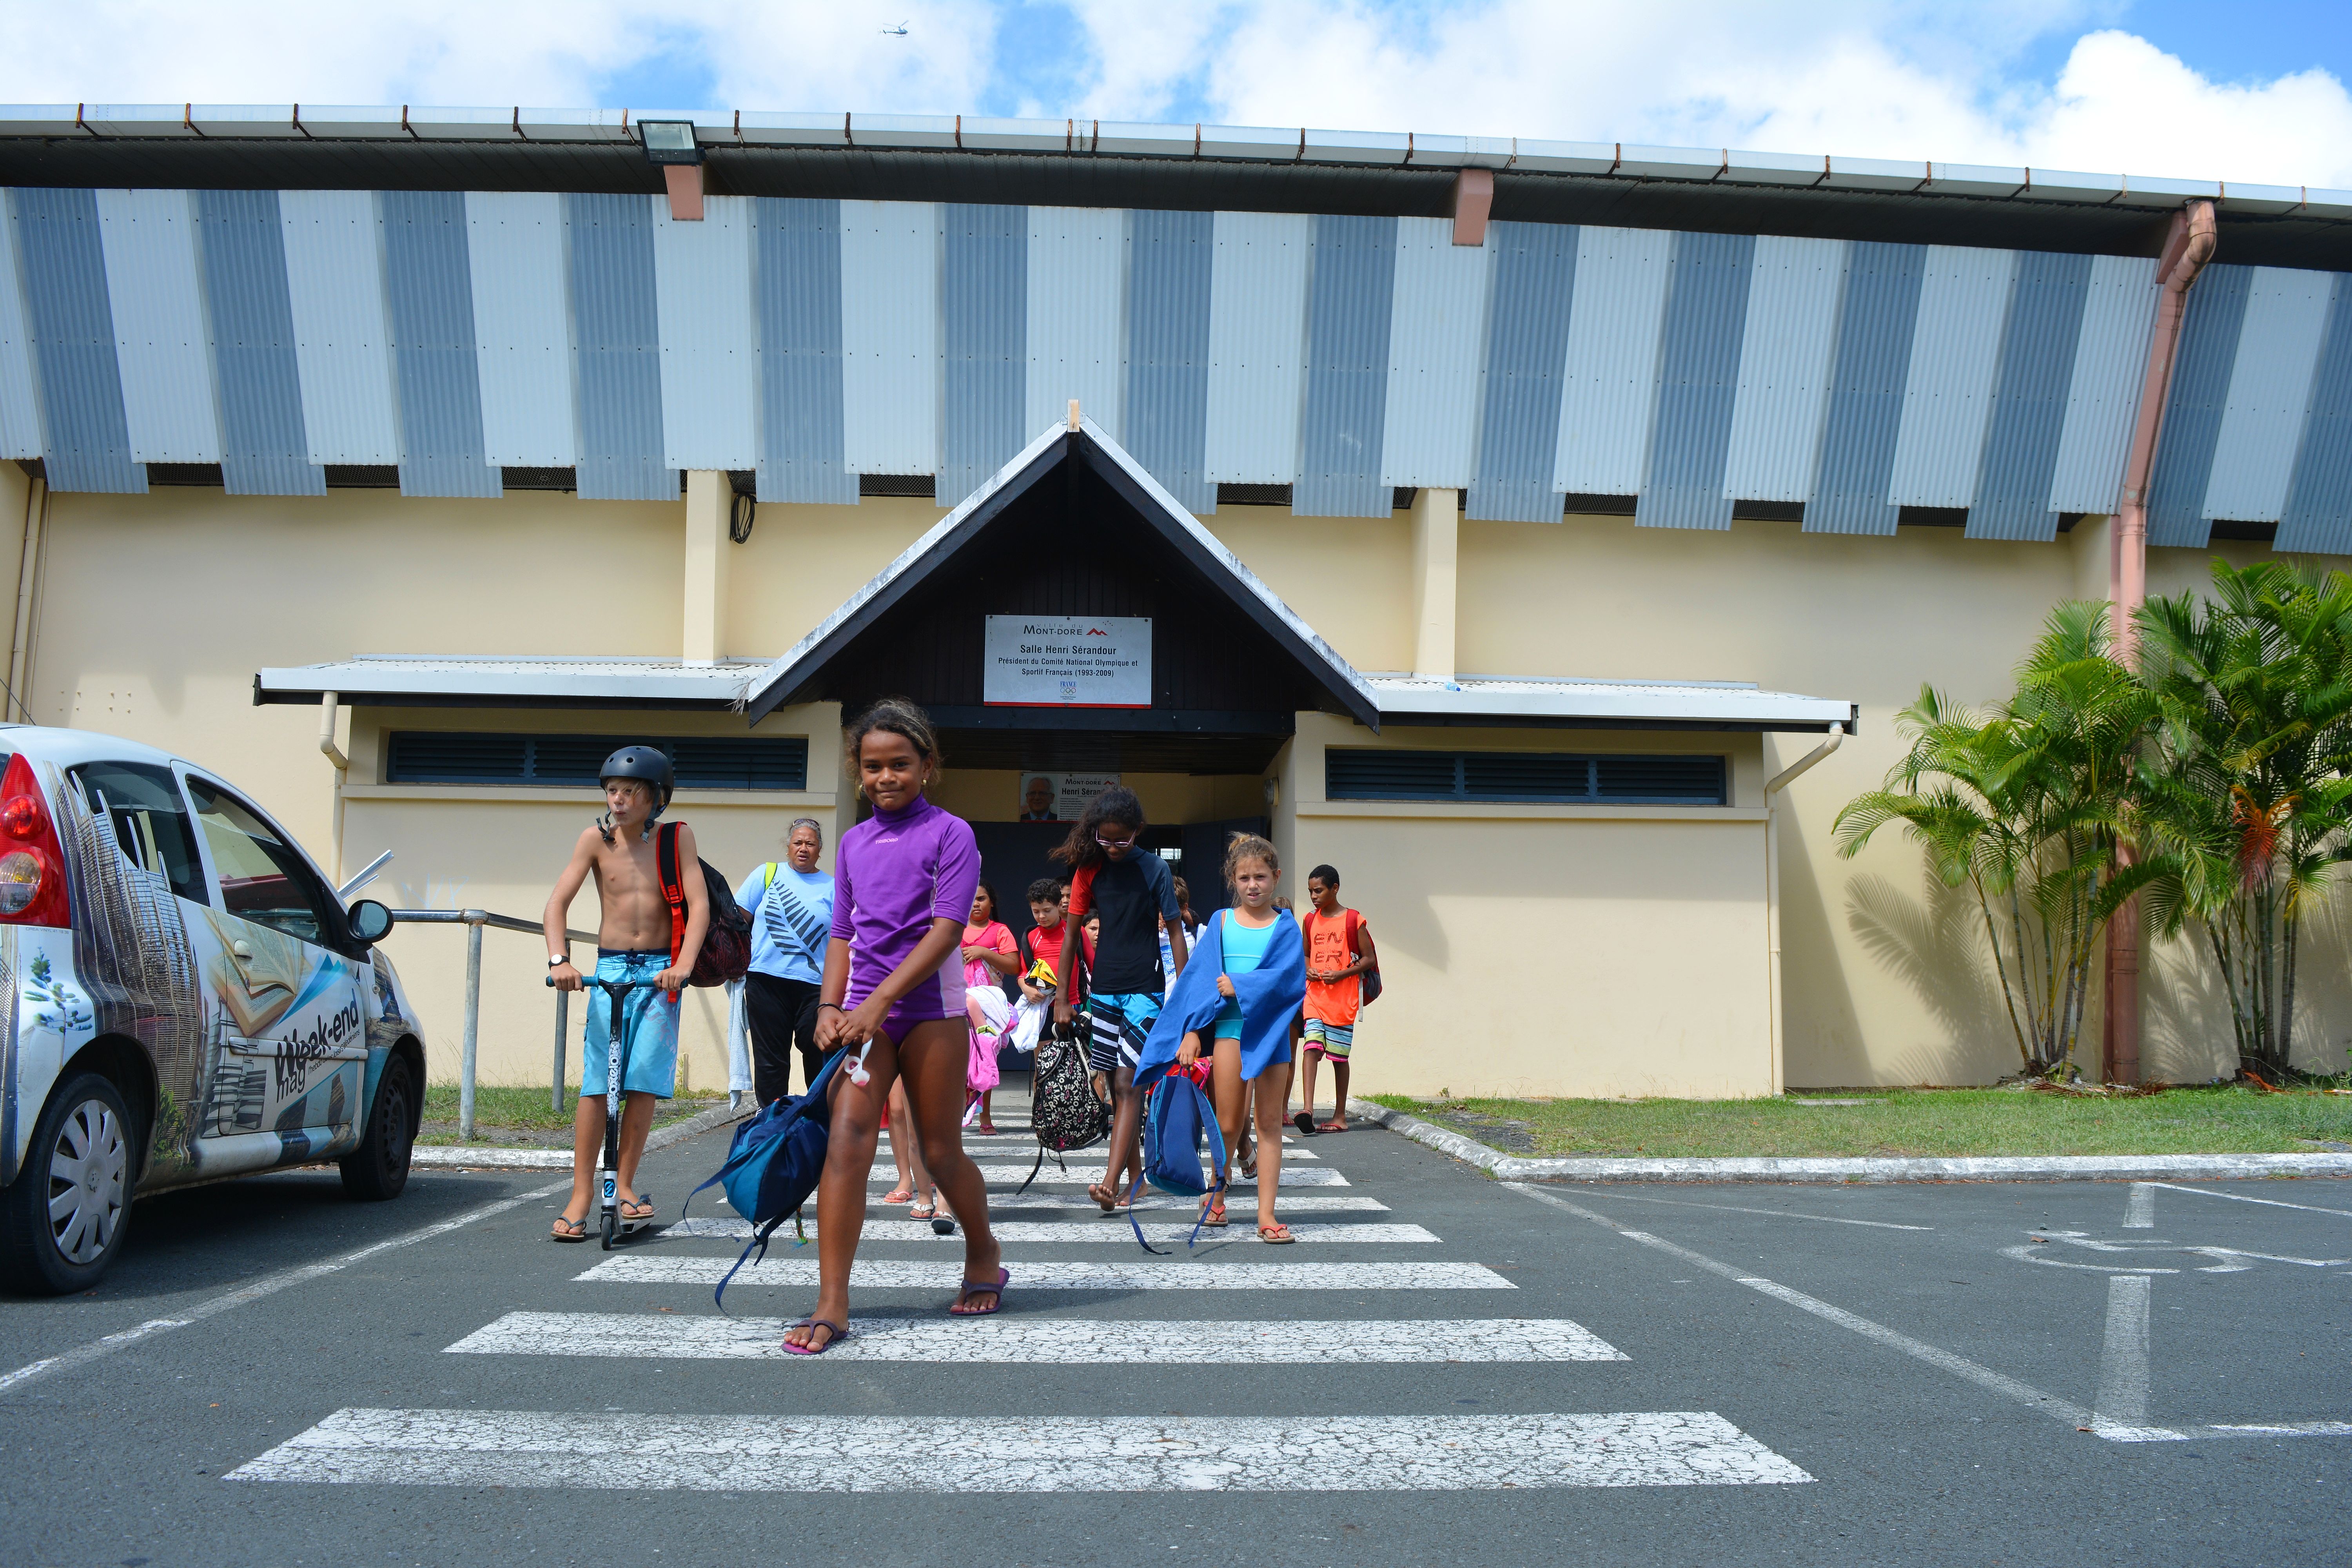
(1776, 1213)
(1141, 1274)
(999, 1147)
(1304, 1203)
(268, 1284)
(1958, 1365)
(1079, 1176)
(2242, 1199)
(2139, 1209)
(999, 1454)
(660, 1336)
(2123, 1357)
(2029, 1254)
(1053, 1231)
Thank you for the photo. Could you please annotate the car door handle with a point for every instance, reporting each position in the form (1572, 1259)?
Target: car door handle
(240, 949)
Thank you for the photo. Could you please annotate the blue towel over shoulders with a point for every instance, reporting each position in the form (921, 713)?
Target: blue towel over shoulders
(1270, 995)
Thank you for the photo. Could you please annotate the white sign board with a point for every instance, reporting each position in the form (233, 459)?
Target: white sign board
(1060, 797)
(1075, 662)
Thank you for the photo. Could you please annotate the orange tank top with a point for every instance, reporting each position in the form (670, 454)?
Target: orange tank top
(1331, 945)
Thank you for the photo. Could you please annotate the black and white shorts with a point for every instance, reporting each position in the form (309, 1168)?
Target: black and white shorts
(1118, 1025)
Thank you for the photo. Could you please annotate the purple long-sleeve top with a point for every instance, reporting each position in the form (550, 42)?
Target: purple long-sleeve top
(897, 872)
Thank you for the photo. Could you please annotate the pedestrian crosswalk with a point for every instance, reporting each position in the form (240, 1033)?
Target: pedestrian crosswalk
(1381, 1293)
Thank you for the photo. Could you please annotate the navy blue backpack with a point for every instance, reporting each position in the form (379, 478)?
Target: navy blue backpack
(773, 1165)
(1177, 1120)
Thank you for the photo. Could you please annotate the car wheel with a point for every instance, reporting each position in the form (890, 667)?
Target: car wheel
(63, 1220)
(378, 1168)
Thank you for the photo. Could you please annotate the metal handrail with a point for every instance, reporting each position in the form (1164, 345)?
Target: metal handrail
(474, 920)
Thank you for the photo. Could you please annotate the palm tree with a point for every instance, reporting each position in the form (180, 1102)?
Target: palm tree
(2243, 800)
(2023, 806)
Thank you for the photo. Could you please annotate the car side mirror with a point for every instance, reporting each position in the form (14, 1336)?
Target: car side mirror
(370, 922)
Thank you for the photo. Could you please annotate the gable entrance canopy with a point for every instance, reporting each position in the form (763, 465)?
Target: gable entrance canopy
(1074, 528)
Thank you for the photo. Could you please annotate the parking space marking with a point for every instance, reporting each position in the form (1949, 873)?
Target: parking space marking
(657, 1337)
(1013, 1175)
(478, 1449)
(2139, 1209)
(1775, 1214)
(1174, 1274)
(268, 1284)
(2242, 1199)
(1028, 1231)
(2123, 1355)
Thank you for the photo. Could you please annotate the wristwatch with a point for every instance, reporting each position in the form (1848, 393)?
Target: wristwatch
(557, 960)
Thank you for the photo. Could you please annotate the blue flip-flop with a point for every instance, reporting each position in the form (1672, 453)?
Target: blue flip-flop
(835, 1334)
(1004, 1278)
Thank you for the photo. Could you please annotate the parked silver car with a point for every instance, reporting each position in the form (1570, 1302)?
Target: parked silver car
(192, 1001)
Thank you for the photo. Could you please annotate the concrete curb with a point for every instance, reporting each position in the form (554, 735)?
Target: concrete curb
(493, 1157)
(1982, 1168)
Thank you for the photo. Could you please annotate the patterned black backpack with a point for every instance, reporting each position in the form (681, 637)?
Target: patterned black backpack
(1065, 1112)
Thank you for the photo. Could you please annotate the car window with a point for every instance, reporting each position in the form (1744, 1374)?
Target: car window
(142, 804)
(262, 877)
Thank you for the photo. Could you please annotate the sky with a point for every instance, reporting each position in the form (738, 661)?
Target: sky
(2252, 91)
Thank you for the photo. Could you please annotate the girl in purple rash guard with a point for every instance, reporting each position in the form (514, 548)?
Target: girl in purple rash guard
(893, 997)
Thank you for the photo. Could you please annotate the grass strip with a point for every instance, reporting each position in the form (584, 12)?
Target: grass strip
(2224, 1120)
(514, 1110)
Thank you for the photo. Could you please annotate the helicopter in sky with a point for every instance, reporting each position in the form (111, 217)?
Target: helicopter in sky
(897, 32)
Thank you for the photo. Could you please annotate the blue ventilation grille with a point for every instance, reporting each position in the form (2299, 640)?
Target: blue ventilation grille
(763, 762)
(1531, 777)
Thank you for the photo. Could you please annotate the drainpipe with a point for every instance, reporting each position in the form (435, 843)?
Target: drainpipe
(2187, 247)
(20, 652)
(328, 701)
(1772, 788)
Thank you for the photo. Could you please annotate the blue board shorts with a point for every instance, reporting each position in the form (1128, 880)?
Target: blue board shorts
(650, 1016)
(1120, 1023)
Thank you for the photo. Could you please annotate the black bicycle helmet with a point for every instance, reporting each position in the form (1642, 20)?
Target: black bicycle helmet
(641, 763)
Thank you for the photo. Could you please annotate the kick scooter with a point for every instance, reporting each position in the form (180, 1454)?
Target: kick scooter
(616, 1068)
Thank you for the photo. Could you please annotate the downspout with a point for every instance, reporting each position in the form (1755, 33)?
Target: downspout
(20, 649)
(2187, 247)
(1772, 788)
(328, 702)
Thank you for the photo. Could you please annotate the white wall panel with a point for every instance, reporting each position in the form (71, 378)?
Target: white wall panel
(1077, 317)
(1257, 345)
(710, 340)
(890, 337)
(1784, 369)
(20, 409)
(1608, 396)
(1955, 357)
(2103, 398)
(522, 327)
(2270, 392)
(1437, 343)
(160, 342)
(342, 335)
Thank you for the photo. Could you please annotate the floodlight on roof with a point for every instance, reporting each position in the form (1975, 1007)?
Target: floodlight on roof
(670, 146)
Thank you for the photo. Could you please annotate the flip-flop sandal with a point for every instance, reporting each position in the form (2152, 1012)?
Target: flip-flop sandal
(995, 1293)
(1214, 1217)
(834, 1334)
(569, 1230)
(1249, 1164)
(1337, 1124)
(1305, 1123)
(923, 1211)
(643, 1206)
(1276, 1235)
(899, 1196)
(986, 1130)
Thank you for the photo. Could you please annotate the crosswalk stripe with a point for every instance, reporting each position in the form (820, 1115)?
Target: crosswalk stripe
(1048, 1230)
(1302, 1203)
(984, 1148)
(1080, 1174)
(1140, 1274)
(999, 1454)
(658, 1337)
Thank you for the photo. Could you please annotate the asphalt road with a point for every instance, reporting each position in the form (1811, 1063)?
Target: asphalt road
(1717, 1375)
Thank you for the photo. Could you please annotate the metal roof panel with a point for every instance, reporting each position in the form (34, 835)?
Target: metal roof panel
(1075, 314)
(1016, 135)
(522, 328)
(161, 340)
(763, 129)
(2102, 389)
(1357, 146)
(1257, 346)
(1670, 163)
(574, 125)
(1437, 343)
(1784, 369)
(708, 335)
(339, 121)
(2071, 185)
(1877, 174)
(890, 337)
(903, 129)
(242, 119)
(343, 336)
(130, 120)
(2272, 199)
(1752, 168)
(20, 408)
(1610, 394)
(1566, 157)
(1976, 179)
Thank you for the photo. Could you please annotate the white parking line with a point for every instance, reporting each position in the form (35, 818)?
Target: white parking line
(2139, 1209)
(958, 1454)
(2242, 1199)
(659, 1337)
(1013, 1176)
(1615, 1196)
(2123, 1356)
(1302, 1203)
(1142, 1274)
(268, 1284)
(1061, 1231)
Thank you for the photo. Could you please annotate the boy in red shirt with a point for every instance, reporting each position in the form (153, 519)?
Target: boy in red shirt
(1338, 951)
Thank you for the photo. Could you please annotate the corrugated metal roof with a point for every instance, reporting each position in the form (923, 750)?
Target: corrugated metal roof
(20, 410)
(891, 333)
(2270, 392)
(1867, 378)
(798, 286)
(1504, 697)
(264, 450)
(2037, 361)
(86, 439)
(1346, 412)
(1076, 316)
(616, 334)
(1169, 310)
(1784, 368)
(710, 341)
(522, 327)
(2192, 415)
(985, 286)
(1610, 394)
(161, 340)
(1257, 346)
(1437, 344)
(2102, 393)
(429, 294)
(1527, 351)
(342, 335)
(1698, 382)
(2318, 513)
(638, 682)
(1947, 393)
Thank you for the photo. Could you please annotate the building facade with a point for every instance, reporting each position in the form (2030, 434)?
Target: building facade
(1496, 521)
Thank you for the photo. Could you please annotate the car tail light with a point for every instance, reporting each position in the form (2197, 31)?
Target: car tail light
(32, 863)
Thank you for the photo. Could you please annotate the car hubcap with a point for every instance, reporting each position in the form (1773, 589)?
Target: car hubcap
(86, 1183)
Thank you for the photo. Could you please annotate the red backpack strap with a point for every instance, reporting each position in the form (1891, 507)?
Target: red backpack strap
(673, 888)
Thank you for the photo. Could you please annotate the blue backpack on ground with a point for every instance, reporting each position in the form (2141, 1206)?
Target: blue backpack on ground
(773, 1165)
(1177, 1120)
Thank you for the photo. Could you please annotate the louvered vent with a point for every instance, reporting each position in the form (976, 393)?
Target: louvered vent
(765, 761)
(1532, 777)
